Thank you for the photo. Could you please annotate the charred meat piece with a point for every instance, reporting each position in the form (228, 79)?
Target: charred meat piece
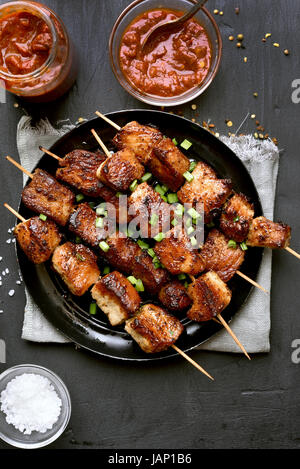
(37, 238)
(120, 170)
(174, 297)
(78, 169)
(168, 164)
(45, 195)
(116, 297)
(125, 255)
(206, 189)
(236, 217)
(154, 329)
(177, 254)
(77, 266)
(154, 215)
(268, 234)
(139, 138)
(210, 295)
(225, 261)
(83, 224)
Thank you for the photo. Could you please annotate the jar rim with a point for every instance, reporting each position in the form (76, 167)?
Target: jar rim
(20, 5)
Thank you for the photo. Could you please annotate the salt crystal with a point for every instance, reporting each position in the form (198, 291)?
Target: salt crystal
(18, 282)
(13, 240)
(30, 403)
(1, 311)
(1, 258)
(6, 271)
(9, 230)
(8, 241)
(3, 273)
(11, 292)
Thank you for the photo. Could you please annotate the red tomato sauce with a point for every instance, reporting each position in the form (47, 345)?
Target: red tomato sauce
(173, 62)
(25, 43)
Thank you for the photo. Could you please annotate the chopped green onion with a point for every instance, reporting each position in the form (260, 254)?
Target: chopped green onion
(186, 144)
(79, 197)
(151, 252)
(155, 259)
(146, 177)
(93, 308)
(139, 285)
(92, 204)
(193, 241)
(181, 277)
(196, 221)
(179, 210)
(77, 240)
(164, 188)
(157, 265)
(172, 198)
(231, 244)
(186, 284)
(164, 198)
(243, 246)
(160, 189)
(129, 233)
(79, 256)
(43, 217)
(104, 246)
(188, 222)
(188, 176)
(159, 237)
(118, 194)
(99, 222)
(132, 279)
(106, 270)
(192, 166)
(210, 225)
(133, 185)
(175, 141)
(142, 244)
(101, 211)
(193, 213)
(174, 222)
(154, 219)
(236, 218)
(190, 230)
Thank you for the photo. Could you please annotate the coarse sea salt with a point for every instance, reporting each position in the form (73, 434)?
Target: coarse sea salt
(30, 403)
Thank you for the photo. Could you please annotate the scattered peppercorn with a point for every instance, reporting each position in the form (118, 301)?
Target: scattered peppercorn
(245, 59)
(238, 44)
(231, 38)
(286, 52)
(240, 37)
(275, 44)
(237, 10)
(229, 123)
(253, 116)
(264, 40)
(221, 13)
(255, 95)
(194, 107)
(216, 12)
(268, 35)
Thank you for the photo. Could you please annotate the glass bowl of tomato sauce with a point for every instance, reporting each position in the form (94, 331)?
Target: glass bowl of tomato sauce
(37, 58)
(176, 66)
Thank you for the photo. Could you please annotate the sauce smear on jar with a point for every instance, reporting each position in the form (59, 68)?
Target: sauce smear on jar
(173, 62)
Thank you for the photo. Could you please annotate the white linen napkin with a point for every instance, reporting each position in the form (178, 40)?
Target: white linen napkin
(252, 323)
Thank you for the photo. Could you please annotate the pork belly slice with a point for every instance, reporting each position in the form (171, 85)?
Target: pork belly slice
(154, 329)
(37, 238)
(236, 217)
(120, 170)
(139, 138)
(174, 297)
(83, 224)
(225, 261)
(177, 254)
(116, 297)
(268, 234)
(45, 195)
(153, 213)
(77, 266)
(206, 189)
(167, 163)
(79, 169)
(125, 255)
(210, 296)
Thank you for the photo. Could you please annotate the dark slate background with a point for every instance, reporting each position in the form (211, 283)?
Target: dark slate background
(171, 405)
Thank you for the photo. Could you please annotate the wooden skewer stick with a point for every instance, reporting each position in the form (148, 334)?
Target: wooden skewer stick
(50, 153)
(292, 252)
(104, 148)
(233, 335)
(14, 212)
(19, 166)
(116, 126)
(245, 277)
(189, 359)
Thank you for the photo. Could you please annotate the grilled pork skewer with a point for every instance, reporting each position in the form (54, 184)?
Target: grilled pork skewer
(210, 296)
(77, 266)
(37, 237)
(120, 169)
(155, 330)
(158, 153)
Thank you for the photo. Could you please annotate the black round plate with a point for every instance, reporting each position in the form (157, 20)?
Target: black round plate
(70, 314)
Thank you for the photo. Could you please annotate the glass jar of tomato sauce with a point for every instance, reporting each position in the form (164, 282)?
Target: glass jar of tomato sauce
(37, 60)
